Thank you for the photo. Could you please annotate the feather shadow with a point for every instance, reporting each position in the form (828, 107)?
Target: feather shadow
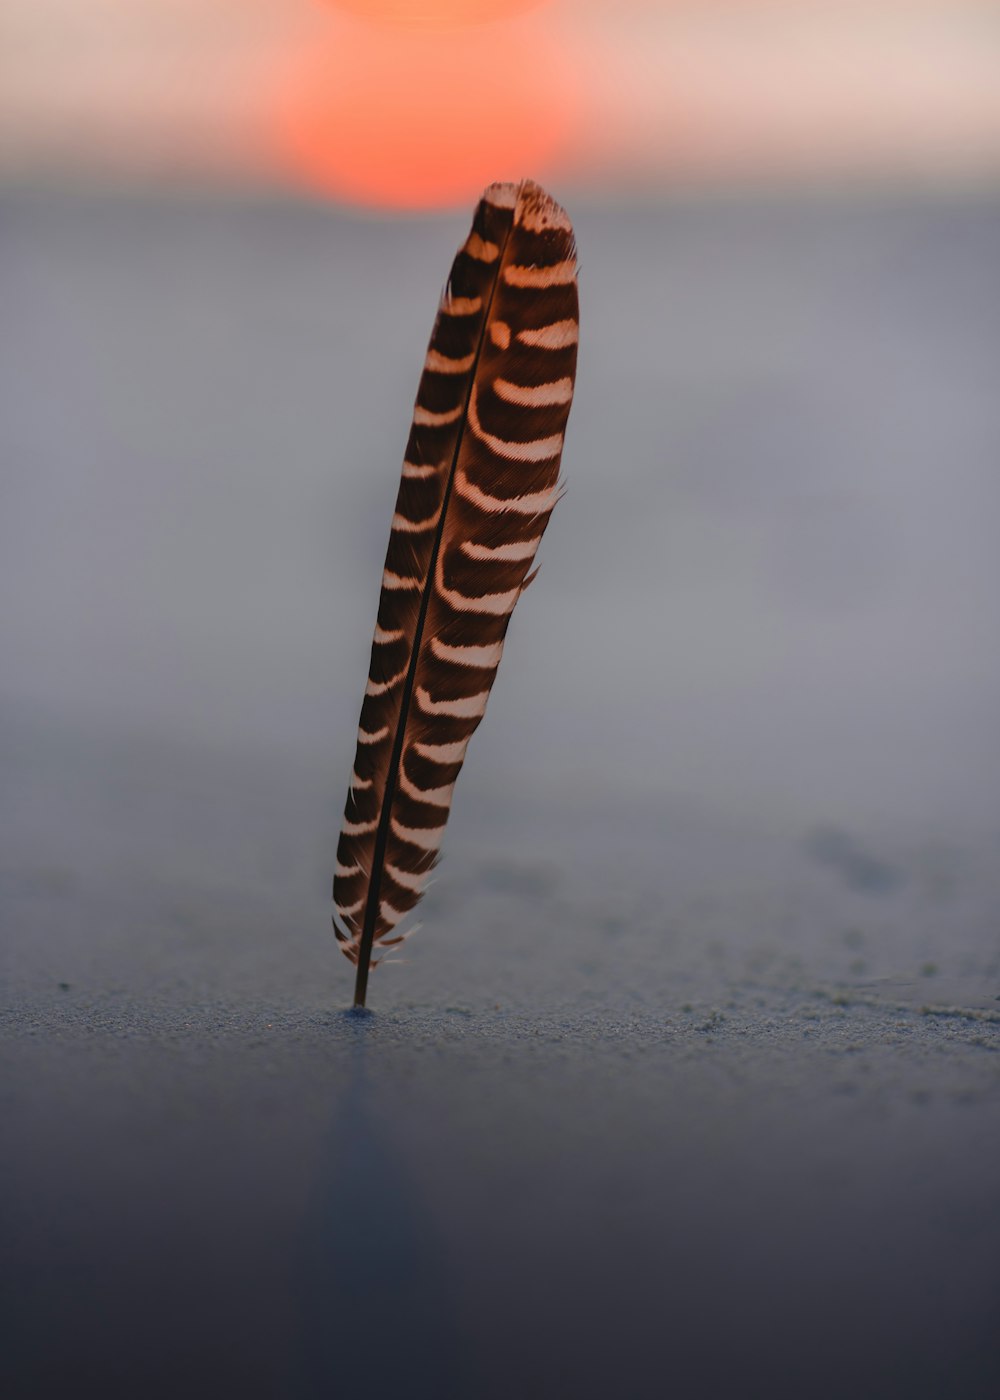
(374, 1299)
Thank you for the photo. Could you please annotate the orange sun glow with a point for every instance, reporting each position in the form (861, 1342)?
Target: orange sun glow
(409, 119)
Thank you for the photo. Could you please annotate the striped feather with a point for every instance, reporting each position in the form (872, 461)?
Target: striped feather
(480, 479)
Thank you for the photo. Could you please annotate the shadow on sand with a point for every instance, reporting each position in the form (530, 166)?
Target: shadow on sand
(374, 1300)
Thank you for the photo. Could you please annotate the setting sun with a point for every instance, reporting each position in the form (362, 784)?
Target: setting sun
(417, 120)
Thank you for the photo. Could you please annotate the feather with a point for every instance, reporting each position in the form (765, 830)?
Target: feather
(479, 481)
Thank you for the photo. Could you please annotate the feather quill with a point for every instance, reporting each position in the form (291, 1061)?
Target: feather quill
(479, 481)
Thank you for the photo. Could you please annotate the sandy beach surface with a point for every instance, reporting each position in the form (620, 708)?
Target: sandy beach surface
(689, 1084)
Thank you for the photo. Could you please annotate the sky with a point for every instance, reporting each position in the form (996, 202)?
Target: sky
(417, 103)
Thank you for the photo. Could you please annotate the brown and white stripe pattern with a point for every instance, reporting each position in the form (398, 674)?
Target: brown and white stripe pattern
(480, 479)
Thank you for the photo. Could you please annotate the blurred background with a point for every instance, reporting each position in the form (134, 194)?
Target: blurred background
(417, 103)
(770, 592)
(691, 1070)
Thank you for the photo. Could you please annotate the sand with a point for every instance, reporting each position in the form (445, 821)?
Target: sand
(672, 1150)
